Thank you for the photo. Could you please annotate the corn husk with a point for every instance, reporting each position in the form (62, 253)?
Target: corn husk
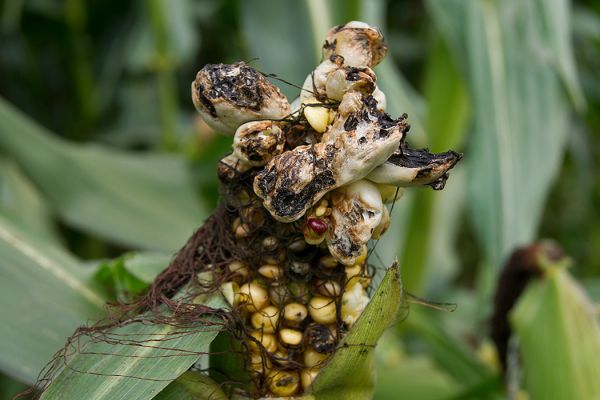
(559, 338)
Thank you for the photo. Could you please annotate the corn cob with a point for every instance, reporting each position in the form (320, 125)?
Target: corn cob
(306, 192)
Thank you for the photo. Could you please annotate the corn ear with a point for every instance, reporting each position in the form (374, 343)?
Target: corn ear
(349, 373)
(559, 338)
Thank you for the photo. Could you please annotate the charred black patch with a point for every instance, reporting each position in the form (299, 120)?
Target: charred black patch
(353, 73)
(206, 102)
(238, 83)
(330, 45)
(288, 204)
(320, 338)
(350, 123)
(422, 158)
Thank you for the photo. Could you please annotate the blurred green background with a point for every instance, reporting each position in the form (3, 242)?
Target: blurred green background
(101, 153)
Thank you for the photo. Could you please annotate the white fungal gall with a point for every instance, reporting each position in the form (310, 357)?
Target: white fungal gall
(350, 79)
(228, 95)
(354, 301)
(352, 147)
(358, 43)
(357, 212)
(315, 82)
(410, 167)
(256, 142)
(383, 226)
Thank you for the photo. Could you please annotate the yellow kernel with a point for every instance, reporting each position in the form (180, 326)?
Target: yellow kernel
(307, 376)
(253, 296)
(239, 268)
(295, 312)
(290, 337)
(322, 310)
(267, 340)
(328, 261)
(313, 358)
(328, 288)
(266, 319)
(271, 271)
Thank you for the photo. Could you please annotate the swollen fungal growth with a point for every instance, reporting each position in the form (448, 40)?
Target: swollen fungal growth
(303, 193)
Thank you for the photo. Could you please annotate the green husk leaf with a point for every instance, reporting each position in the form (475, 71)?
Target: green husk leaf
(45, 293)
(192, 386)
(350, 373)
(559, 338)
(122, 371)
(146, 201)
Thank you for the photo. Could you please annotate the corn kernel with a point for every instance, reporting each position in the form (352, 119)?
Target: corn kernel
(322, 310)
(266, 319)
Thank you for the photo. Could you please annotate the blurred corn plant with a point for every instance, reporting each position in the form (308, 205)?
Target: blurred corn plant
(101, 154)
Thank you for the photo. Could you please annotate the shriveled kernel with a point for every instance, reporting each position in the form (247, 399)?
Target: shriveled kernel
(266, 319)
(242, 231)
(290, 337)
(267, 340)
(314, 359)
(307, 376)
(271, 271)
(253, 296)
(322, 310)
(295, 312)
(283, 383)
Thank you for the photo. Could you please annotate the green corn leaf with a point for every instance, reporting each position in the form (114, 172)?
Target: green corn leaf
(122, 371)
(145, 201)
(349, 373)
(22, 203)
(559, 338)
(45, 294)
(520, 112)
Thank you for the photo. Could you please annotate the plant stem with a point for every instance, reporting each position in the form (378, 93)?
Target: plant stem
(165, 65)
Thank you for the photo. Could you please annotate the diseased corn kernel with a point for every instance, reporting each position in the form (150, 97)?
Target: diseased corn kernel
(290, 337)
(252, 296)
(283, 383)
(354, 301)
(295, 312)
(322, 310)
(266, 319)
